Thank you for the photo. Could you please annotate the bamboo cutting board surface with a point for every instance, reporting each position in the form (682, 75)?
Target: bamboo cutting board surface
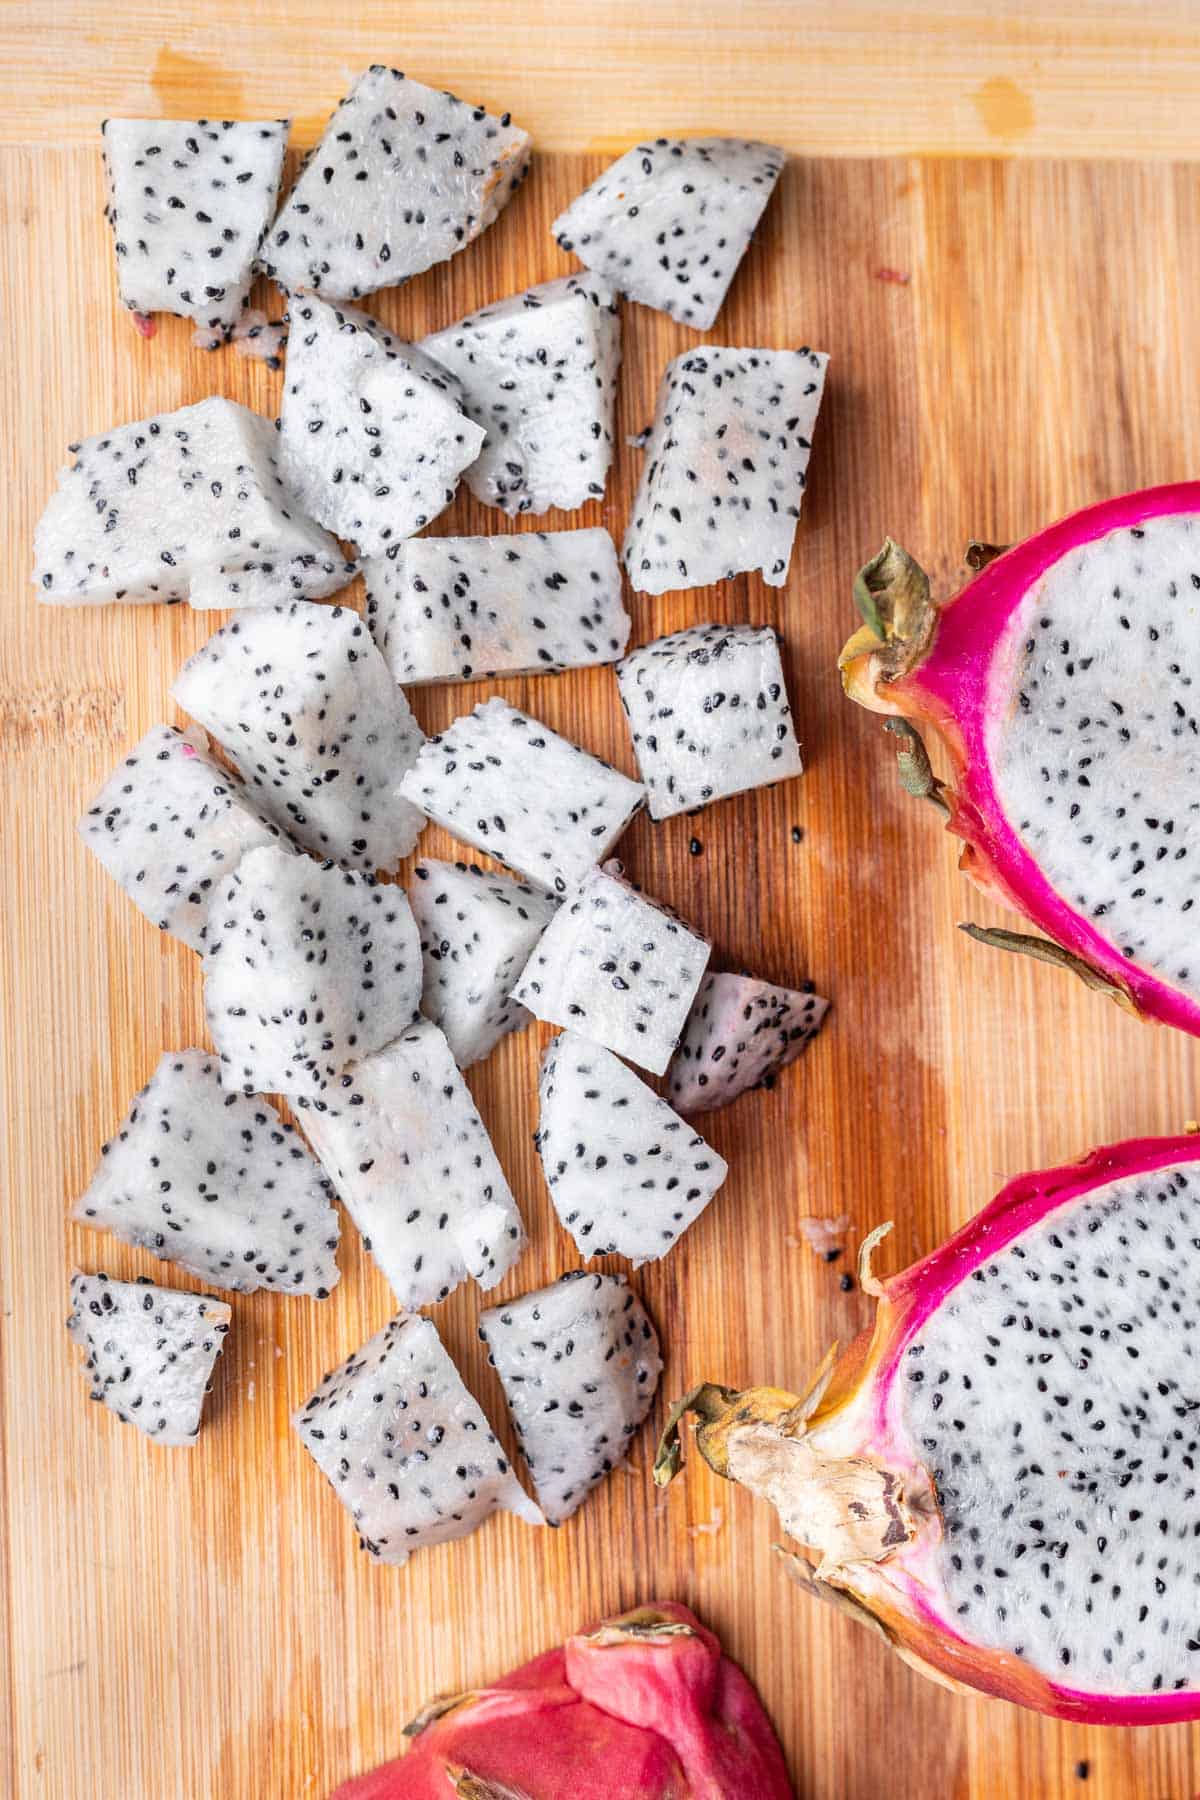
(1008, 341)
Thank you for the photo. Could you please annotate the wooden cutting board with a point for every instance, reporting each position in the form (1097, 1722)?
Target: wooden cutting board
(1008, 342)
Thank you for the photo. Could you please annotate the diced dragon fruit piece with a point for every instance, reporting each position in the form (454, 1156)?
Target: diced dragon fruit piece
(741, 1031)
(455, 609)
(148, 1352)
(726, 463)
(510, 786)
(404, 177)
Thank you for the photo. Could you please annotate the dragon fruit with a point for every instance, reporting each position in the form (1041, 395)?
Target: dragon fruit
(414, 1166)
(404, 177)
(185, 506)
(477, 930)
(617, 967)
(644, 1707)
(726, 462)
(148, 1352)
(454, 609)
(539, 373)
(579, 1364)
(1001, 1474)
(740, 1032)
(168, 824)
(709, 715)
(405, 1447)
(513, 788)
(625, 1173)
(304, 705)
(308, 967)
(669, 222)
(373, 436)
(1061, 692)
(189, 202)
(215, 1182)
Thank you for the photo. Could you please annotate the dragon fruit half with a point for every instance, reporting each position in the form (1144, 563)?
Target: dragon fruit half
(579, 1363)
(1001, 1475)
(148, 1352)
(726, 463)
(740, 1033)
(372, 435)
(644, 1707)
(670, 221)
(1059, 680)
(302, 702)
(454, 609)
(189, 201)
(513, 788)
(625, 1173)
(477, 931)
(185, 506)
(539, 373)
(709, 715)
(403, 177)
(414, 1166)
(405, 1447)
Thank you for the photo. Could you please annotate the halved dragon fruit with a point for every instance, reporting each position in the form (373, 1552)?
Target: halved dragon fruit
(216, 1182)
(579, 1363)
(477, 930)
(189, 201)
(414, 1166)
(740, 1033)
(539, 373)
(304, 705)
(373, 436)
(625, 1173)
(709, 715)
(726, 465)
(510, 786)
(148, 1352)
(404, 177)
(405, 1447)
(454, 609)
(185, 506)
(1060, 681)
(308, 967)
(618, 967)
(669, 222)
(1001, 1476)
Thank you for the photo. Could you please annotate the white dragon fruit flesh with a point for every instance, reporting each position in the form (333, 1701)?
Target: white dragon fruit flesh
(539, 373)
(168, 824)
(406, 1449)
(669, 222)
(148, 1352)
(414, 1166)
(510, 786)
(304, 705)
(709, 715)
(404, 177)
(189, 201)
(740, 1033)
(477, 931)
(185, 506)
(726, 465)
(308, 967)
(617, 967)
(215, 1181)
(455, 609)
(373, 436)
(579, 1364)
(626, 1173)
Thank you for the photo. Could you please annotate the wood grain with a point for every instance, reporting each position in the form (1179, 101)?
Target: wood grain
(184, 1623)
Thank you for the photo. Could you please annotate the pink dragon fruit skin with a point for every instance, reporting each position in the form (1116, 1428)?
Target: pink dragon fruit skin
(645, 1707)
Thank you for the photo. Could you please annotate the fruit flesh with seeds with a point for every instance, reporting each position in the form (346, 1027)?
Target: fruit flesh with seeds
(148, 1352)
(1000, 1475)
(740, 1033)
(1059, 682)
